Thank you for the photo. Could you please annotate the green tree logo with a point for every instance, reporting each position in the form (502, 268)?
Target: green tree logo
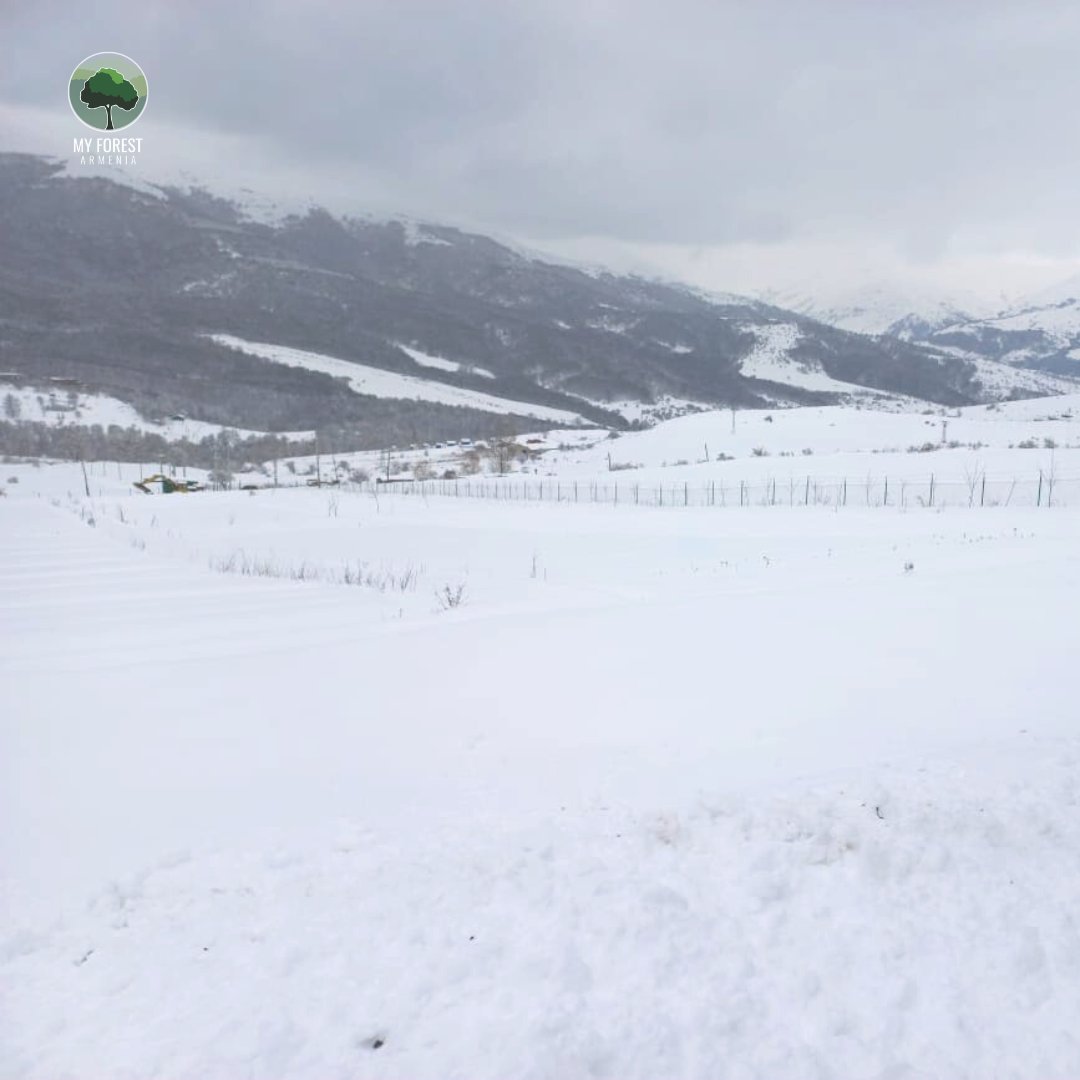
(108, 91)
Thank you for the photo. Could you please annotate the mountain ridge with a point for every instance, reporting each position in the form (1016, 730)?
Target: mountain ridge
(123, 288)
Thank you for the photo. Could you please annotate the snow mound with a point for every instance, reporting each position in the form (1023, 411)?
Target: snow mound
(914, 923)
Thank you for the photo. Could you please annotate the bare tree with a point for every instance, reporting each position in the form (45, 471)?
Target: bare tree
(972, 477)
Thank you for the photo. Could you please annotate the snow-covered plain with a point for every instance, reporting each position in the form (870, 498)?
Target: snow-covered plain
(1017, 447)
(317, 783)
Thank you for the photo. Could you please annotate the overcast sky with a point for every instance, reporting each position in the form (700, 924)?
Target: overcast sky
(738, 145)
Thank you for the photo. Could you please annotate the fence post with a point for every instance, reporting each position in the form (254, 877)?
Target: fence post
(982, 497)
(712, 493)
(885, 502)
(616, 493)
(660, 490)
(742, 487)
(845, 491)
(931, 489)
(635, 494)
(575, 491)
(686, 493)
(1038, 498)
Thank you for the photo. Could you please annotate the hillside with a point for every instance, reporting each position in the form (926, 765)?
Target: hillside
(128, 290)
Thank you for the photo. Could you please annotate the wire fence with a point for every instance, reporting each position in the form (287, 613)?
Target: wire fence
(1042, 490)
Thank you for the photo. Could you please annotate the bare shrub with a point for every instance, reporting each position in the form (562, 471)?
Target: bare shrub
(360, 574)
(450, 596)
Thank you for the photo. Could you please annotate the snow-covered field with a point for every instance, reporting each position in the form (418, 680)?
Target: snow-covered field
(316, 783)
(1026, 451)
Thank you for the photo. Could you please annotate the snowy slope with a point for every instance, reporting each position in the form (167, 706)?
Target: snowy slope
(1001, 378)
(770, 359)
(378, 382)
(427, 360)
(80, 409)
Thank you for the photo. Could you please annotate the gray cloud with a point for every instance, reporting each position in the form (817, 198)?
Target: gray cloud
(928, 128)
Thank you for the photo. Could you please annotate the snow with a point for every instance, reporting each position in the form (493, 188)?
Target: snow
(876, 307)
(53, 406)
(428, 360)
(417, 233)
(377, 382)
(1001, 378)
(770, 359)
(685, 793)
(1060, 321)
(1061, 292)
(841, 440)
(663, 407)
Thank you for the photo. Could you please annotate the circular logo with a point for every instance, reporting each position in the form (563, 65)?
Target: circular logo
(107, 91)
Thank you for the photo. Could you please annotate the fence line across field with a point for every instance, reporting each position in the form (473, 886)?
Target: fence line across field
(1043, 490)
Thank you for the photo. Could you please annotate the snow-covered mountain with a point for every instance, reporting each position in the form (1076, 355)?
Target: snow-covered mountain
(1030, 344)
(400, 331)
(882, 307)
(1040, 331)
